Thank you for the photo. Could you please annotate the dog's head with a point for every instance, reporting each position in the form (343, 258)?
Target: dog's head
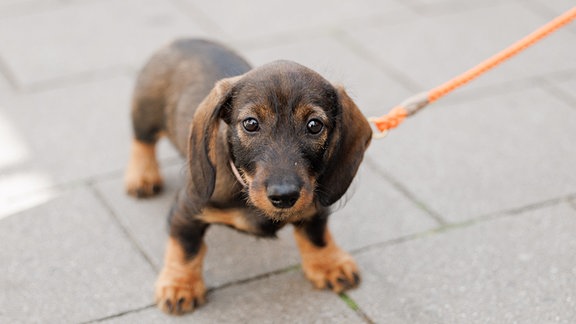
(296, 139)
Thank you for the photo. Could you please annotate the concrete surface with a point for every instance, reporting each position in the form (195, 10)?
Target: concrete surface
(464, 214)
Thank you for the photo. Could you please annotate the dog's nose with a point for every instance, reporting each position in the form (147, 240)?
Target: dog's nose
(283, 195)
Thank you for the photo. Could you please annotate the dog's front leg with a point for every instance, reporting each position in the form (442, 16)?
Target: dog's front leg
(180, 286)
(323, 262)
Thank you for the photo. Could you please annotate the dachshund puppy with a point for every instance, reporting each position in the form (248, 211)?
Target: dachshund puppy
(266, 147)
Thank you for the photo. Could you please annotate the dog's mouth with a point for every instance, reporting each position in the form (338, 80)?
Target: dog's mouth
(288, 215)
(281, 198)
(281, 202)
(279, 206)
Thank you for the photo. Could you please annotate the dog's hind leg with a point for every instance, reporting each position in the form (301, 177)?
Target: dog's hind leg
(142, 178)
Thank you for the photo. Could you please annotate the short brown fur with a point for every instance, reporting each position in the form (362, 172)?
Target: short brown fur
(327, 266)
(300, 159)
(180, 281)
(142, 175)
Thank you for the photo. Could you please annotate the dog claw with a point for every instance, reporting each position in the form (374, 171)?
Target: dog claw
(169, 305)
(329, 285)
(180, 304)
(356, 278)
(140, 193)
(145, 191)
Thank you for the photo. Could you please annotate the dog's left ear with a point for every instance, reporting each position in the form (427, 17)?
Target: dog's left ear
(202, 141)
(351, 138)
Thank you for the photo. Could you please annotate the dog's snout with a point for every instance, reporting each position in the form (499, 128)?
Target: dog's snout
(283, 195)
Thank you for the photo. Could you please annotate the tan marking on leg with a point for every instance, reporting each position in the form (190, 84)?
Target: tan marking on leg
(142, 178)
(231, 217)
(328, 266)
(180, 287)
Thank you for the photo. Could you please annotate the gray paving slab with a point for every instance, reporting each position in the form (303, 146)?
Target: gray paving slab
(144, 219)
(283, 298)
(18, 7)
(68, 261)
(374, 213)
(66, 134)
(105, 34)
(370, 86)
(573, 203)
(555, 7)
(257, 19)
(8, 3)
(4, 85)
(12, 203)
(568, 90)
(432, 50)
(517, 269)
(438, 7)
(472, 158)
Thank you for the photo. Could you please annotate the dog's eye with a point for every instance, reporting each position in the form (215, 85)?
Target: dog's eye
(314, 126)
(251, 124)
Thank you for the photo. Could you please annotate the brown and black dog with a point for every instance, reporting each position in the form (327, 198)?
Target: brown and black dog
(267, 146)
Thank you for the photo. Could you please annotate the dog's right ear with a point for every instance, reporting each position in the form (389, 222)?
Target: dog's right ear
(202, 141)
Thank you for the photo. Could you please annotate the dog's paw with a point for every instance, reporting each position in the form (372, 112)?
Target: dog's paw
(177, 294)
(335, 270)
(143, 178)
(142, 186)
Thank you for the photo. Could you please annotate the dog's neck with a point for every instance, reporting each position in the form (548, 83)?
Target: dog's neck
(237, 174)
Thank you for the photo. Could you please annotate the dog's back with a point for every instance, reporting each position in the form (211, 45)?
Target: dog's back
(174, 82)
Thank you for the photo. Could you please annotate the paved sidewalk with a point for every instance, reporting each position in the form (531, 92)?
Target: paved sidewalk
(465, 214)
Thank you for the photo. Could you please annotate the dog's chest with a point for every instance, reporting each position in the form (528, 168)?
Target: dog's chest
(261, 225)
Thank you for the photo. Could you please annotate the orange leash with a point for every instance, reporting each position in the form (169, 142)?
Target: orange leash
(415, 103)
